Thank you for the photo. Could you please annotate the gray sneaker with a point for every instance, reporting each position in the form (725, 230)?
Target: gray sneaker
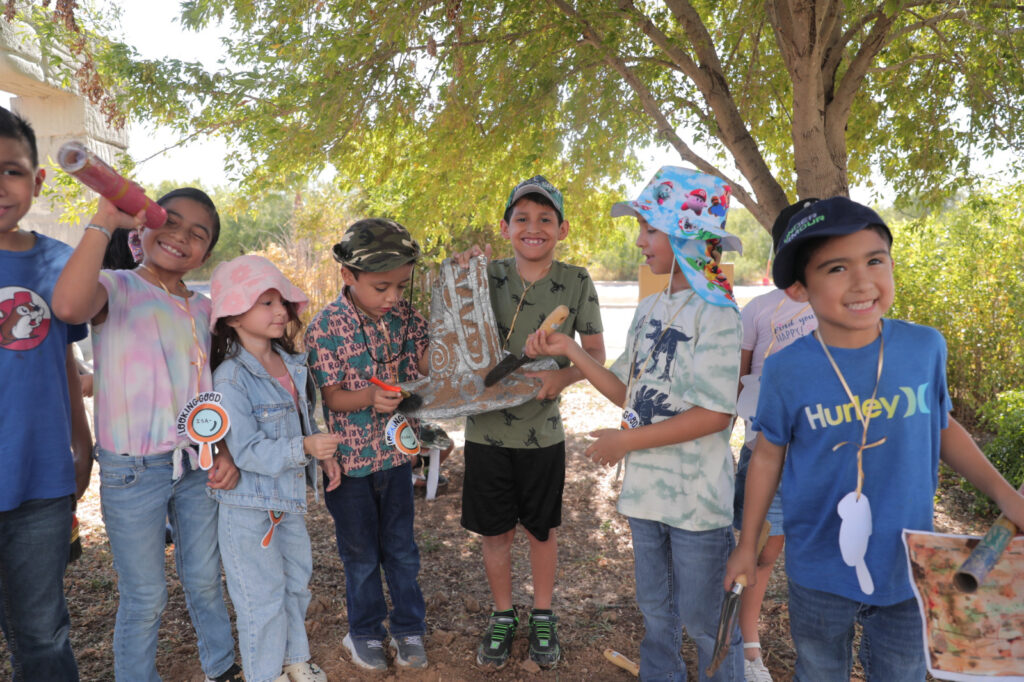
(409, 651)
(368, 654)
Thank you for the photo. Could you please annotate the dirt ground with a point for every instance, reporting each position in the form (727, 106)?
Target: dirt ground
(594, 589)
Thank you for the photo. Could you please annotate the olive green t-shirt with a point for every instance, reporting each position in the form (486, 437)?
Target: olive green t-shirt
(537, 423)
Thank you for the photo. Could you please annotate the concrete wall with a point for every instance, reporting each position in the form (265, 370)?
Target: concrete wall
(56, 113)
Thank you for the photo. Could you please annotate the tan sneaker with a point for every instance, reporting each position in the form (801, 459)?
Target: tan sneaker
(307, 671)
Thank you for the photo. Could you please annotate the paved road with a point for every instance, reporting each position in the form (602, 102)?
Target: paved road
(618, 303)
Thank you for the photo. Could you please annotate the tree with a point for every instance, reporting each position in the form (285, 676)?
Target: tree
(436, 107)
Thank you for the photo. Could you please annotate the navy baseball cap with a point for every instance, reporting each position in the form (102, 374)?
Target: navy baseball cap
(826, 218)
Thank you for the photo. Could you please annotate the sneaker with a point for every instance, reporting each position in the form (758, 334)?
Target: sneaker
(544, 649)
(232, 674)
(306, 671)
(368, 654)
(496, 644)
(409, 651)
(756, 671)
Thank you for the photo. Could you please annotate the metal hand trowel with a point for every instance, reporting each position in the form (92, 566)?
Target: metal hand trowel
(511, 363)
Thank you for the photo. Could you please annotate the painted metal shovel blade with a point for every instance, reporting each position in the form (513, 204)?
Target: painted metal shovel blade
(726, 624)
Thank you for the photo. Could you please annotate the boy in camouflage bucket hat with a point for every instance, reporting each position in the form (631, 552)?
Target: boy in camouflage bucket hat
(376, 245)
(370, 330)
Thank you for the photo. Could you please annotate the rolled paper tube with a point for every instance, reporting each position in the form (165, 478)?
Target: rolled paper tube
(76, 159)
(985, 555)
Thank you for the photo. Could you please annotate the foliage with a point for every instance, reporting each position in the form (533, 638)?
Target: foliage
(961, 272)
(436, 109)
(751, 266)
(1003, 416)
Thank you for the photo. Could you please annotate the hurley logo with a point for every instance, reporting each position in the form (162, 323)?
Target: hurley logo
(915, 401)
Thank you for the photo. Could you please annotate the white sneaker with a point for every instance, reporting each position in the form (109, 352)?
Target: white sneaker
(368, 654)
(755, 671)
(306, 671)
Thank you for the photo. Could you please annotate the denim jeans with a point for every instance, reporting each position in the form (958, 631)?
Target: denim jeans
(679, 578)
(373, 522)
(136, 494)
(269, 588)
(34, 541)
(891, 643)
(774, 516)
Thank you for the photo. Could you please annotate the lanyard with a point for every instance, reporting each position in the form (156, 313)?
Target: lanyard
(862, 416)
(200, 362)
(522, 299)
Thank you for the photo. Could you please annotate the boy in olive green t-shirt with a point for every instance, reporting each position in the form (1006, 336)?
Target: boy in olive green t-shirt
(515, 458)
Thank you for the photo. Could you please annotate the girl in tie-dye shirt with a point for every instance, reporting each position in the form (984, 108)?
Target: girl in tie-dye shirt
(151, 342)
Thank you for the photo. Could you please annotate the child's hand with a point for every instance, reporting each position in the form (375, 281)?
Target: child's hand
(112, 217)
(223, 474)
(610, 447)
(385, 400)
(553, 382)
(462, 257)
(333, 471)
(741, 562)
(321, 445)
(541, 343)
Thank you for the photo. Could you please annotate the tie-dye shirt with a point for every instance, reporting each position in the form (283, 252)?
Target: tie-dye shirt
(685, 353)
(144, 354)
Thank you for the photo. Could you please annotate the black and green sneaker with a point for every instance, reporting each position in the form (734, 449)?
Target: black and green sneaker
(544, 649)
(496, 644)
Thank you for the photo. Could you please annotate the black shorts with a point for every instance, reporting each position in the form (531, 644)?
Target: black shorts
(506, 486)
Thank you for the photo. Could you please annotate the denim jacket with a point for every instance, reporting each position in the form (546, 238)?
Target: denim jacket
(265, 434)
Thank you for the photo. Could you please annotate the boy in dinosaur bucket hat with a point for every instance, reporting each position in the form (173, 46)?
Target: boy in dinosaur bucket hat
(677, 383)
(371, 330)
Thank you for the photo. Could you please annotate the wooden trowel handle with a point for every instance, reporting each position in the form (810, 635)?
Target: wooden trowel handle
(554, 319)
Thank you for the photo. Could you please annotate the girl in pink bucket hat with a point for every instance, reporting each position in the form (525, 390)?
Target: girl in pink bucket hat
(268, 397)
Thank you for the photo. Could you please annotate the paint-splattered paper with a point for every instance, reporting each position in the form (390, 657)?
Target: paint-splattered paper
(968, 637)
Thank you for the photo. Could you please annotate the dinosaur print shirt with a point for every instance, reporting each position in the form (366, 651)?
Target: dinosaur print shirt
(537, 423)
(684, 353)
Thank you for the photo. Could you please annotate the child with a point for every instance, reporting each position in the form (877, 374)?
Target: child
(677, 384)
(370, 330)
(151, 342)
(45, 456)
(771, 322)
(515, 458)
(263, 538)
(878, 383)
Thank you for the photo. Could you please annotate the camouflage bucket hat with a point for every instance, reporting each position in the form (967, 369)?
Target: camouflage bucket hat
(376, 245)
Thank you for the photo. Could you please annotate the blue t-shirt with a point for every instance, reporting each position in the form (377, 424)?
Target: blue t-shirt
(35, 431)
(803, 403)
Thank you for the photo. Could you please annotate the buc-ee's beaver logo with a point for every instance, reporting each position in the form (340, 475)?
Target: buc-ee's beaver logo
(24, 318)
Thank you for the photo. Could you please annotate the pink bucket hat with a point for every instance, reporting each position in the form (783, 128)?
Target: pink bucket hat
(237, 284)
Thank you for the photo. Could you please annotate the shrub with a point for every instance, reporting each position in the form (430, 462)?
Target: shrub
(961, 272)
(1004, 417)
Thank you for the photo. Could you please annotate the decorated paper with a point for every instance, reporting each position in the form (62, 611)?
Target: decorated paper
(968, 637)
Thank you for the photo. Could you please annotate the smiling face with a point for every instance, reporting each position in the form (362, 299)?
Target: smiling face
(534, 231)
(20, 182)
(266, 320)
(376, 293)
(183, 243)
(849, 284)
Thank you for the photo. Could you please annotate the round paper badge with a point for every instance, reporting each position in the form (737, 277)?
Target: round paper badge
(630, 419)
(204, 422)
(399, 432)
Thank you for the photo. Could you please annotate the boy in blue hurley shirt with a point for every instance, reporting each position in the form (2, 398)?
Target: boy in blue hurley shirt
(864, 439)
(677, 385)
(45, 456)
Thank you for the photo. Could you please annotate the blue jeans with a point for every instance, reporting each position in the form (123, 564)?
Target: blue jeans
(136, 494)
(679, 578)
(373, 523)
(269, 588)
(34, 542)
(774, 516)
(891, 644)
